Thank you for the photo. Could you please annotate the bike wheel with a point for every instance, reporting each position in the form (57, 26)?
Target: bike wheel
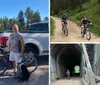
(3, 65)
(88, 34)
(82, 33)
(30, 60)
(66, 31)
(63, 30)
(1, 53)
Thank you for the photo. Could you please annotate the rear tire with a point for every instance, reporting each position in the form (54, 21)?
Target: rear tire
(3, 65)
(88, 35)
(66, 30)
(1, 53)
(30, 59)
(63, 30)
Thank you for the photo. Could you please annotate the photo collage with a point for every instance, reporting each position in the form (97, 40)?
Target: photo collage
(49, 42)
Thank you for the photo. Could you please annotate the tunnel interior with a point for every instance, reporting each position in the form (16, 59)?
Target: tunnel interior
(67, 58)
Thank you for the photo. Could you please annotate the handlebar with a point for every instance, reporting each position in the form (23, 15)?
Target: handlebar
(2, 50)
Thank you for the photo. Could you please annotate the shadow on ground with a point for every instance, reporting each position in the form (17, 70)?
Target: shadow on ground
(39, 77)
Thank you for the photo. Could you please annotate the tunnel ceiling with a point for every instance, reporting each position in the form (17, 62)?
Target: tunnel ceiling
(56, 48)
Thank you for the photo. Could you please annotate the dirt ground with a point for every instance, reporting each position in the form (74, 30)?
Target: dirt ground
(65, 81)
(39, 77)
(74, 34)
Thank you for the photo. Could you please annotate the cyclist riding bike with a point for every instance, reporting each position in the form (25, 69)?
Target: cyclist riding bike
(85, 22)
(64, 18)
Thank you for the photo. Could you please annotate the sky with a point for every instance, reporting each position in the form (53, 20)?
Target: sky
(11, 8)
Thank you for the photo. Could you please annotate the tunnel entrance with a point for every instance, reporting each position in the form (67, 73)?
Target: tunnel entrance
(67, 57)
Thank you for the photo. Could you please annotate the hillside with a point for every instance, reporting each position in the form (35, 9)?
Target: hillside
(77, 10)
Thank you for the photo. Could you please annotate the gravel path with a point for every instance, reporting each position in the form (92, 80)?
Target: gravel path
(39, 77)
(72, 81)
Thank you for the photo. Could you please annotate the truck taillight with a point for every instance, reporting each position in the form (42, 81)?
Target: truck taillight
(3, 41)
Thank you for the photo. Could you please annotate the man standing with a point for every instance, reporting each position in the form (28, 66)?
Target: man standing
(16, 47)
(68, 74)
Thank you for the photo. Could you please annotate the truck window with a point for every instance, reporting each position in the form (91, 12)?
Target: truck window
(42, 28)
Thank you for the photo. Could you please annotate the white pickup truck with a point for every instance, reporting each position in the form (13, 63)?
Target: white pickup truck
(36, 38)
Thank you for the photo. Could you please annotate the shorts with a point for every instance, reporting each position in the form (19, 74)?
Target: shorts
(15, 57)
(65, 22)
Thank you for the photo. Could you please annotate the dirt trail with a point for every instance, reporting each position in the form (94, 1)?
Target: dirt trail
(73, 33)
(73, 81)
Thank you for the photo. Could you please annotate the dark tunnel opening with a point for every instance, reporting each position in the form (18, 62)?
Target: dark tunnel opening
(68, 58)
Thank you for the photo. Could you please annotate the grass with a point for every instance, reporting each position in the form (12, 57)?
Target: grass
(95, 27)
(91, 10)
(52, 26)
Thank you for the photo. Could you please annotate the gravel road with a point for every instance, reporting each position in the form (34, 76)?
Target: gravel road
(39, 77)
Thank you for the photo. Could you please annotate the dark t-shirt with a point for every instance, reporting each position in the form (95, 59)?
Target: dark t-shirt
(85, 21)
(64, 17)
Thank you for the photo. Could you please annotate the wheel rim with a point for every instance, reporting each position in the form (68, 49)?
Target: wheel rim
(82, 34)
(28, 57)
(30, 61)
(3, 66)
(66, 31)
(88, 35)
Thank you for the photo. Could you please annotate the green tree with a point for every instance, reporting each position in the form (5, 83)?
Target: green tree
(21, 19)
(36, 17)
(13, 21)
(59, 5)
(5, 23)
(0, 22)
(29, 15)
(46, 19)
(10, 23)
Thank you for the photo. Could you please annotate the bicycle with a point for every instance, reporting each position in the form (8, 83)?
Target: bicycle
(64, 28)
(86, 31)
(29, 59)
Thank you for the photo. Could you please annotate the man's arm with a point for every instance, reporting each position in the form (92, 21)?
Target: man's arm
(81, 20)
(61, 17)
(88, 21)
(22, 44)
(67, 17)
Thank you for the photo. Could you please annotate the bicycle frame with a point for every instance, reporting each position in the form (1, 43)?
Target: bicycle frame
(8, 63)
(85, 28)
(5, 55)
(86, 31)
(28, 63)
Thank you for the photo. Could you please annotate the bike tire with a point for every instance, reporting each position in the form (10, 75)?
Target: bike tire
(1, 53)
(30, 60)
(63, 30)
(88, 34)
(82, 33)
(66, 31)
(3, 65)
